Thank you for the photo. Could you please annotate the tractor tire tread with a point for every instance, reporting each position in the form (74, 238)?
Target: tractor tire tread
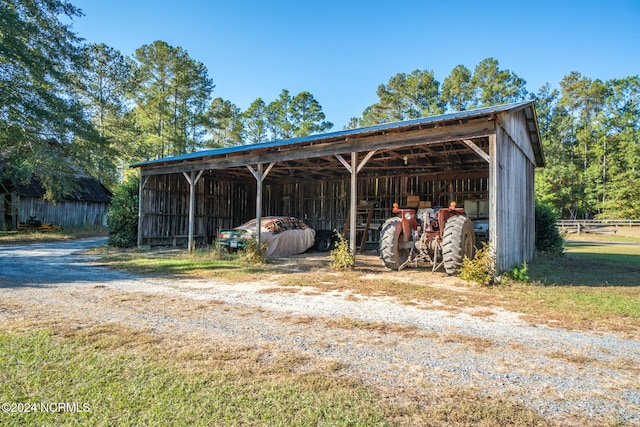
(389, 236)
(454, 241)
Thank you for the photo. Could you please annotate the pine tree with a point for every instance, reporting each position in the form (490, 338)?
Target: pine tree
(39, 114)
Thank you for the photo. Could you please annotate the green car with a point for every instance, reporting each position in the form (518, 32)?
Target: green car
(232, 240)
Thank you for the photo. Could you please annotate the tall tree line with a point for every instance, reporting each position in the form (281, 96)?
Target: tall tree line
(591, 139)
(38, 116)
(419, 94)
(65, 105)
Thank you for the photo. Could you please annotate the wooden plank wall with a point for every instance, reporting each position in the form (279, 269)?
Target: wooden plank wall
(325, 204)
(65, 213)
(513, 200)
(219, 204)
(226, 203)
(3, 204)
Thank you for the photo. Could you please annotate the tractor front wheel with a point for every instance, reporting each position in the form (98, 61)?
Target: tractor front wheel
(457, 242)
(391, 237)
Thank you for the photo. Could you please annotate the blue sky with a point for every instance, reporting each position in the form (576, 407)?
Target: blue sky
(340, 51)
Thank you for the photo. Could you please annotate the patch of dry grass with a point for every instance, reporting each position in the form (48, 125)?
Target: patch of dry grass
(478, 344)
(280, 289)
(23, 237)
(579, 359)
(481, 312)
(256, 371)
(379, 327)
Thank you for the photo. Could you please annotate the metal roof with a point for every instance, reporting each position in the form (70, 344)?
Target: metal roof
(457, 116)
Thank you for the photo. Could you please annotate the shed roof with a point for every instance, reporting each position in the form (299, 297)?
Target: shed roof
(360, 133)
(86, 189)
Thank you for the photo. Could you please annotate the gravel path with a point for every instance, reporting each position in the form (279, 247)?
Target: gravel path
(556, 372)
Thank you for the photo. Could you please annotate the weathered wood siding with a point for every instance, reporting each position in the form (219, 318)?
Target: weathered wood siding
(65, 213)
(325, 204)
(512, 209)
(219, 204)
(222, 203)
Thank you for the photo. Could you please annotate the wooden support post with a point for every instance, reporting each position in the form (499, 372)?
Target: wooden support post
(494, 189)
(259, 204)
(259, 175)
(192, 180)
(353, 169)
(354, 203)
(192, 196)
(143, 182)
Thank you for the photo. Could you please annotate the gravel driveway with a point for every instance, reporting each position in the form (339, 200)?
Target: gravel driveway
(559, 373)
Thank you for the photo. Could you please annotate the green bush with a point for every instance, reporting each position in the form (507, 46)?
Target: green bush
(122, 218)
(341, 257)
(519, 274)
(482, 268)
(252, 253)
(548, 237)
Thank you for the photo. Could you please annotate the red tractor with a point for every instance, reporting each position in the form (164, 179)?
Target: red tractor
(438, 235)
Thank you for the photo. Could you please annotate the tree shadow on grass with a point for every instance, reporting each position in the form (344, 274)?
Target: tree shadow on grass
(587, 269)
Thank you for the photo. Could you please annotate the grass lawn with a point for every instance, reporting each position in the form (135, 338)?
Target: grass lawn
(115, 388)
(113, 376)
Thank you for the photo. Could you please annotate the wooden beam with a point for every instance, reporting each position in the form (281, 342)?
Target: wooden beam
(365, 160)
(268, 170)
(253, 172)
(479, 151)
(344, 162)
(474, 129)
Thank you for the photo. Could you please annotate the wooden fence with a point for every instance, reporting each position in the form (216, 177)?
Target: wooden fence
(596, 226)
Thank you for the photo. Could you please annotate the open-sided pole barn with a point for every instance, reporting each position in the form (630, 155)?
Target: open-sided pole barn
(487, 155)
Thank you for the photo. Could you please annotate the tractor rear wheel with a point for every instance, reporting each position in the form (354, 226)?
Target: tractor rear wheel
(457, 242)
(324, 242)
(391, 236)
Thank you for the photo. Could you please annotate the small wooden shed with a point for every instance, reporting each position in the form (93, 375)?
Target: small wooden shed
(86, 204)
(483, 158)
